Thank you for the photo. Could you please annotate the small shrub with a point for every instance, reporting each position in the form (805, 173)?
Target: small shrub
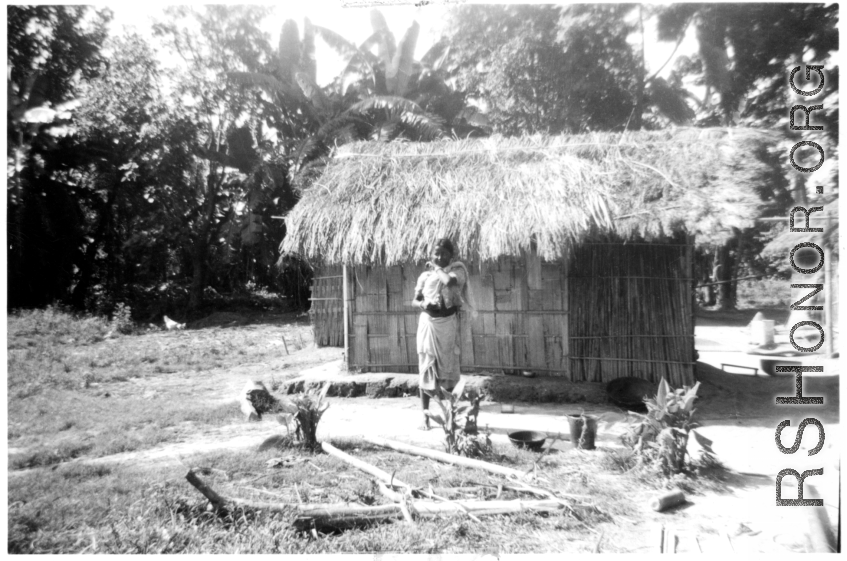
(660, 438)
(305, 411)
(459, 421)
(122, 319)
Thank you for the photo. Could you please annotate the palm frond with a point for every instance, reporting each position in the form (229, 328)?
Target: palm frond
(426, 127)
(312, 91)
(385, 102)
(669, 101)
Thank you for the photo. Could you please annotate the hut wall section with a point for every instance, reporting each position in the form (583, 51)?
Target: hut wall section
(632, 312)
(327, 312)
(613, 310)
(521, 321)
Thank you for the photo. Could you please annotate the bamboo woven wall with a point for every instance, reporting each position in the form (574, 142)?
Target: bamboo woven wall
(521, 322)
(632, 312)
(615, 310)
(326, 312)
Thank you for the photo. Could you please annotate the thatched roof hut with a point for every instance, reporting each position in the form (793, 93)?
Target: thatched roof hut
(385, 202)
(522, 212)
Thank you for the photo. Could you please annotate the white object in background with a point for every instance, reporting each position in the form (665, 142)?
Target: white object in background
(171, 324)
(762, 332)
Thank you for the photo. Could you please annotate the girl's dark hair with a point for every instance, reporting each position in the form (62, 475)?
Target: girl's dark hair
(445, 243)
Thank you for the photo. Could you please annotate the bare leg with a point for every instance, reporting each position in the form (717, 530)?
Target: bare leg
(425, 409)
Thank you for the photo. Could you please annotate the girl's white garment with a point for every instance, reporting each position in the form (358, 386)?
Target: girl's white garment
(438, 351)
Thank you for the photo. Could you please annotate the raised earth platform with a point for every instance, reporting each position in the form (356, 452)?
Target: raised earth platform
(498, 388)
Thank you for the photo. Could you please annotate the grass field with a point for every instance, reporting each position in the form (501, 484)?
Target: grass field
(96, 508)
(68, 377)
(77, 393)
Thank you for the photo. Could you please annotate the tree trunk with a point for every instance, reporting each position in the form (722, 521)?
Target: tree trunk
(200, 253)
(723, 272)
(199, 266)
(86, 269)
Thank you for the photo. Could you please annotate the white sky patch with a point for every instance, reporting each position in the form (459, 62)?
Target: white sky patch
(354, 24)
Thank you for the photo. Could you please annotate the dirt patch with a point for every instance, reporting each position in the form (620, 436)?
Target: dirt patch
(724, 395)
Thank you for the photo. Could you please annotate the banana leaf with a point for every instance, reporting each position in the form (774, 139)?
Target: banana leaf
(459, 389)
(398, 73)
(307, 60)
(312, 91)
(385, 42)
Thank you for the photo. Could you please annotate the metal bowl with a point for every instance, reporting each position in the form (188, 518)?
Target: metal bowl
(529, 439)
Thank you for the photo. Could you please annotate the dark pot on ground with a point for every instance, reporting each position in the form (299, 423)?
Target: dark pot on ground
(583, 431)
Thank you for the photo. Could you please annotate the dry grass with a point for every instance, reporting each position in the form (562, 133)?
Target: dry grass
(79, 508)
(52, 348)
(384, 203)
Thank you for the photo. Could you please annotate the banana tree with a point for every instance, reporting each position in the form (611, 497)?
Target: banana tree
(375, 97)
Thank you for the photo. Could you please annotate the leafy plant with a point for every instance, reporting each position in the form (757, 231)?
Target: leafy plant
(460, 412)
(660, 438)
(122, 319)
(305, 411)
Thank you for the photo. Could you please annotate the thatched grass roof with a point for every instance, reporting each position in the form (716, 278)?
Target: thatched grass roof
(388, 202)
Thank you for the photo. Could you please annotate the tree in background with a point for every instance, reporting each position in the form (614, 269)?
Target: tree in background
(745, 52)
(119, 142)
(229, 168)
(560, 69)
(51, 49)
(383, 95)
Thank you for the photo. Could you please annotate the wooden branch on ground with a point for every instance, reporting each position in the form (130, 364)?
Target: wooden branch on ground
(308, 515)
(344, 516)
(443, 457)
(383, 477)
(311, 516)
(363, 466)
(392, 496)
(483, 508)
(478, 508)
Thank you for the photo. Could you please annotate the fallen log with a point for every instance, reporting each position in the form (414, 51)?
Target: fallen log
(484, 508)
(479, 508)
(364, 466)
(308, 516)
(337, 516)
(444, 457)
(340, 517)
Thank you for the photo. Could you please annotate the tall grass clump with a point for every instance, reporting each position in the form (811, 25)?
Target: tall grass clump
(55, 324)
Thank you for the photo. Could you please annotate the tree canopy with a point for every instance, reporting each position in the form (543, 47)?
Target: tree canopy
(133, 181)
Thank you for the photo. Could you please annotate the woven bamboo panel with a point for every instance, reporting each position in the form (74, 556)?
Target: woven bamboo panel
(327, 307)
(631, 312)
(504, 335)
